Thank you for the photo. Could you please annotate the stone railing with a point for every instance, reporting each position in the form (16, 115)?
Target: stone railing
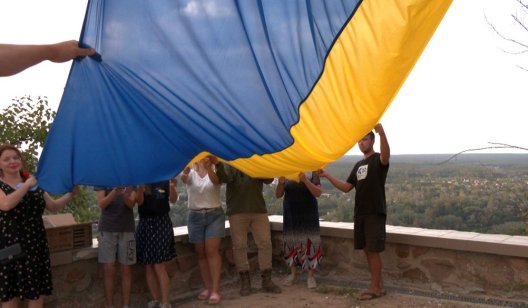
(439, 260)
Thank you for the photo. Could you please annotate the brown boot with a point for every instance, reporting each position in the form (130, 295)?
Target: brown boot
(267, 284)
(245, 283)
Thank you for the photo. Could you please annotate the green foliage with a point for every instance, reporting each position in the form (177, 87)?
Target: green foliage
(510, 227)
(83, 206)
(25, 124)
(179, 213)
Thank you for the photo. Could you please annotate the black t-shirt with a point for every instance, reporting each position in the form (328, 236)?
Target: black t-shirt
(117, 216)
(156, 198)
(368, 177)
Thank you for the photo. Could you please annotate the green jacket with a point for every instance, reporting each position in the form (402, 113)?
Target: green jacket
(243, 193)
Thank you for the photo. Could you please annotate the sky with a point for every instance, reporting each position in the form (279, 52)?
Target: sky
(465, 91)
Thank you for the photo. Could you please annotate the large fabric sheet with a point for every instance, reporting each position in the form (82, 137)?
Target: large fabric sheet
(272, 87)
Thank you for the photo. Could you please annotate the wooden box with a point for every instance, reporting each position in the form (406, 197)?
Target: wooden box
(65, 234)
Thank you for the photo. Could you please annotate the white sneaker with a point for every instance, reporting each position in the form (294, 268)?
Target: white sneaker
(290, 280)
(311, 282)
(153, 304)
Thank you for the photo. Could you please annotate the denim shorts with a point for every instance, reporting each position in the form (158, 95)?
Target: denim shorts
(120, 244)
(204, 225)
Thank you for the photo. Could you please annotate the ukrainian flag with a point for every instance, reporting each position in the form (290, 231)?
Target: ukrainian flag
(273, 87)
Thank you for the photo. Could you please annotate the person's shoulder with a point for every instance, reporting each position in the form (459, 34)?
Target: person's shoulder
(374, 157)
(359, 163)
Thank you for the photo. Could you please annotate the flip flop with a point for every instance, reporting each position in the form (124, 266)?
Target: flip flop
(366, 296)
(214, 299)
(203, 295)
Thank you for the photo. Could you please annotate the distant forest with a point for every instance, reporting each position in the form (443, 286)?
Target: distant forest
(485, 193)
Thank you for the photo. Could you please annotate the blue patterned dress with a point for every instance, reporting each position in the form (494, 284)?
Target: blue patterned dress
(154, 233)
(302, 240)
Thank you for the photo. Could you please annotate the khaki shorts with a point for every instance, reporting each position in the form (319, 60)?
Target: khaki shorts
(120, 244)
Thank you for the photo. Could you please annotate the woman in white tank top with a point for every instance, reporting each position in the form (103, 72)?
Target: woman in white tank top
(206, 224)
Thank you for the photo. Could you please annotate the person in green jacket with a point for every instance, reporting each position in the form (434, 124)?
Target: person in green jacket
(246, 210)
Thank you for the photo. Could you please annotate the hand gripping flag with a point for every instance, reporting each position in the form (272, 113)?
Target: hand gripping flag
(272, 87)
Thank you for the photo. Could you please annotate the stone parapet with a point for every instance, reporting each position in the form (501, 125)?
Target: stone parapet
(439, 260)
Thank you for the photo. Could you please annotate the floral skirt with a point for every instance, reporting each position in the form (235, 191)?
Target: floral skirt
(301, 232)
(305, 252)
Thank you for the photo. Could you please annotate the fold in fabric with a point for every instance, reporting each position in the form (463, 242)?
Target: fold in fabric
(272, 87)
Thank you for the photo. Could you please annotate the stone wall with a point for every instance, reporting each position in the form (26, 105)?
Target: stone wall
(80, 283)
(78, 278)
(435, 269)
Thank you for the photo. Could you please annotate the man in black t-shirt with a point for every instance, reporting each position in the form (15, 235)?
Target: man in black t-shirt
(370, 211)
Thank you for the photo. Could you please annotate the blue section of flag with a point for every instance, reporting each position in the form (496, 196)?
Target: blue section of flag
(176, 78)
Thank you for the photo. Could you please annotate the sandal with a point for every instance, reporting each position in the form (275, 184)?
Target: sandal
(367, 295)
(203, 295)
(214, 299)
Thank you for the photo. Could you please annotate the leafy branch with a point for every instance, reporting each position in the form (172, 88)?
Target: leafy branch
(25, 124)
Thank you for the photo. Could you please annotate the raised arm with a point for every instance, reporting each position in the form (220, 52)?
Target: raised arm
(339, 184)
(210, 167)
(384, 145)
(140, 194)
(223, 176)
(130, 196)
(103, 199)
(9, 202)
(16, 58)
(279, 190)
(314, 189)
(59, 203)
(173, 194)
(185, 175)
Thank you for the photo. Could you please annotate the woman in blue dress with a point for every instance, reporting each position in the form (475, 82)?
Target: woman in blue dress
(155, 237)
(302, 241)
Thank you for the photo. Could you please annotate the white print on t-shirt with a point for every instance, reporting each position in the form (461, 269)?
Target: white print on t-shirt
(361, 173)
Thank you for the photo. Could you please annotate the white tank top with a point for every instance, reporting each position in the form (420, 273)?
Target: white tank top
(201, 192)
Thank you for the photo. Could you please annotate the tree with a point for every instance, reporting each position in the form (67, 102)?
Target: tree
(518, 40)
(25, 124)
(83, 206)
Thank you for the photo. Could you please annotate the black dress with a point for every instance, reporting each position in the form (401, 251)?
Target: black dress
(30, 276)
(302, 240)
